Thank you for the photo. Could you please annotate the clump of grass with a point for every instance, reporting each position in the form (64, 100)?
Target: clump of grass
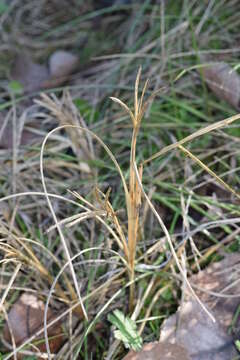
(102, 211)
(165, 39)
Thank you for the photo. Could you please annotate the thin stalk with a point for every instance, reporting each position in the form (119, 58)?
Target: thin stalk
(133, 217)
(133, 195)
(134, 204)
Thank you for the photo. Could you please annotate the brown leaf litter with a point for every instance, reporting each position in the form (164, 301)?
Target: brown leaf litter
(224, 81)
(25, 318)
(204, 339)
(23, 137)
(191, 333)
(159, 351)
(191, 327)
(34, 77)
(220, 278)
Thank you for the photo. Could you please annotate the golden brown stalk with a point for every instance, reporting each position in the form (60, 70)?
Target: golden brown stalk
(134, 197)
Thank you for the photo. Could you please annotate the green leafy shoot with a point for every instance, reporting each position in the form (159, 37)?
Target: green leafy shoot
(126, 330)
(15, 87)
(237, 343)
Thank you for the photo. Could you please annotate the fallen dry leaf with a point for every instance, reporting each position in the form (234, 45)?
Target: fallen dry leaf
(224, 82)
(204, 339)
(223, 278)
(25, 137)
(25, 318)
(159, 351)
(192, 328)
(30, 75)
(35, 77)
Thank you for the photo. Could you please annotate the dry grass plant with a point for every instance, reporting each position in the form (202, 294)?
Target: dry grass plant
(20, 250)
(27, 252)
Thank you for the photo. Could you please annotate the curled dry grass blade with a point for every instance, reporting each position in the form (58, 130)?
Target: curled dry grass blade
(107, 204)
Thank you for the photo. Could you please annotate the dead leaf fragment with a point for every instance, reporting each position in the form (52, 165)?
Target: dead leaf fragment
(35, 77)
(29, 74)
(25, 137)
(203, 338)
(218, 288)
(25, 318)
(220, 278)
(224, 82)
(159, 351)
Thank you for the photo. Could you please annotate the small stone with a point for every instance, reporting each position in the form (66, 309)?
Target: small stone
(62, 63)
